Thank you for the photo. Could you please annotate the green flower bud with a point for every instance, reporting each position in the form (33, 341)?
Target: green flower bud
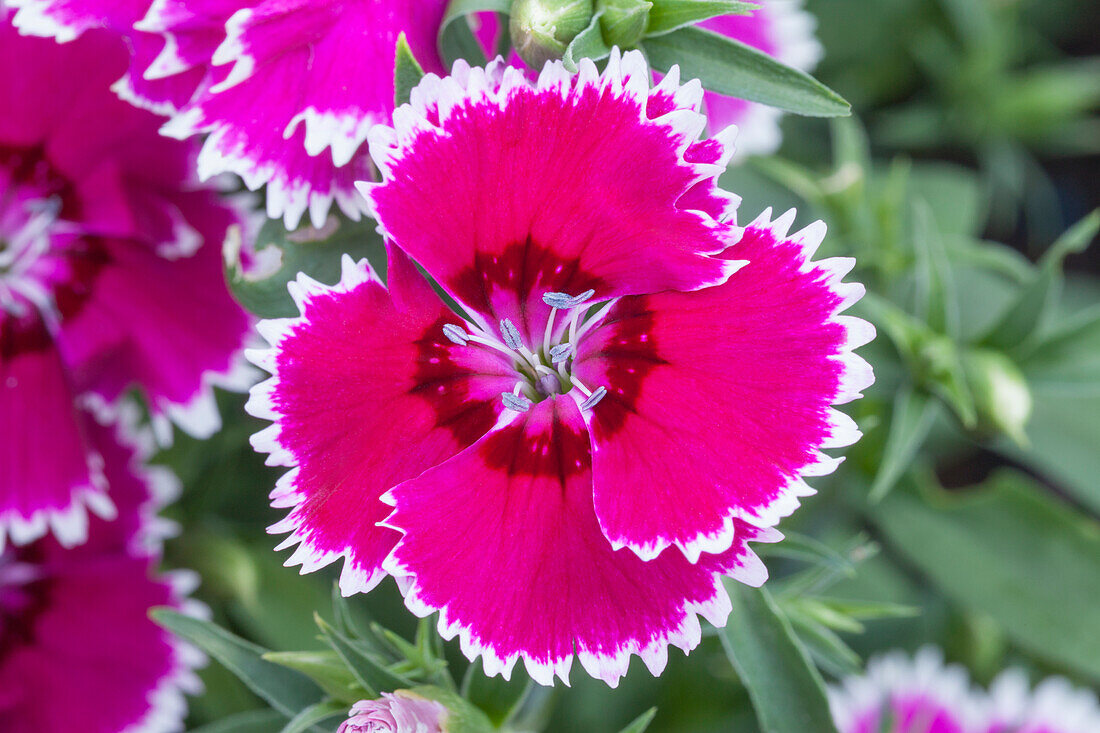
(623, 22)
(542, 29)
(1000, 391)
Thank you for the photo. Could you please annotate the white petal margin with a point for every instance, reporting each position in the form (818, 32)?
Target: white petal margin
(856, 376)
(610, 666)
(32, 18)
(627, 75)
(69, 524)
(1054, 705)
(167, 701)
(261, 404)
(895, 673)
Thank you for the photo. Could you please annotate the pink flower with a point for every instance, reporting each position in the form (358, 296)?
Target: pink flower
(286, 90)
(400, 712)
(110, 278)
(76, 642)
(635, 372)
(921, 694)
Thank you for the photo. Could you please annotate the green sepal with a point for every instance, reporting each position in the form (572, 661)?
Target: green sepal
(407, 71)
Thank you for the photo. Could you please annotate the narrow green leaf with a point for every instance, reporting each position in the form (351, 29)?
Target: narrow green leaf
(826, 648)
(935, 287)
(732, 68)
(455, 39)
(588, 44)
(250, 721)
(407, 71)
(316, 714)
(786, 689)
(323, 667)
(669, 15)
(1027, 314)
(910, 423)
(285, 690)
(1011, 551)
(370, 673)
(639, 724)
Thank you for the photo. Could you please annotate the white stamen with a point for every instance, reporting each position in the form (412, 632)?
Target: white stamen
(549, 330)
(564, 301)
(579, 385)
(594, 398)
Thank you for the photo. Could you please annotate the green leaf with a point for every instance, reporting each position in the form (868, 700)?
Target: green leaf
(1013, 552)
(669, 15)
(314, 252)
(370, 673)
(639, 724)
(497, 697)
(455, 40)
(910, 423)
(588, 44)
(786, 689)
(285, 690)
(250, 721)
(935, 288)
(825, 647)
(732, 68)
(407, 71)
(323, 667)
(1026, 315)
(316, 714)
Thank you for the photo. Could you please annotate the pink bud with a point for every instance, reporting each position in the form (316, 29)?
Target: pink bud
(400, 712)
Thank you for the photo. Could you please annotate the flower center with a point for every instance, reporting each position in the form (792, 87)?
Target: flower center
(543, 369)
(24, 239)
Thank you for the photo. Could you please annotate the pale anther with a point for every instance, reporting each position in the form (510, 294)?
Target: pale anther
(515, 402)
(564, 301)
(594, 398)
(560, 353)
(455, 334)
(511, 335)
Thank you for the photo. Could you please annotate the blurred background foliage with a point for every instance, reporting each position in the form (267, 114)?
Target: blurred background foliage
(967, 516)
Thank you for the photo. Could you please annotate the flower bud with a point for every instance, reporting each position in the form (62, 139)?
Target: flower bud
(400, 712)
(1000, 391)
(623, 22)
(542, 29)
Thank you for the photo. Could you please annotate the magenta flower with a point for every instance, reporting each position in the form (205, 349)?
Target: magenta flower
(634, 372)
(400, 712)
(899, 694)
(76, 643)
(110, 277)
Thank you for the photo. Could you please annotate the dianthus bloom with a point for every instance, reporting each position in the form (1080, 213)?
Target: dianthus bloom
(633, 395)
(286, 90)
(899, 694)
(110, 277)
(400, 712)
(779, 28)
(77, 649)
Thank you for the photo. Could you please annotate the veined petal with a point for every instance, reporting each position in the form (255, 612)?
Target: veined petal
(366, 392)
(719, 401)
(502, 540)
(50, 473)
(505, 188)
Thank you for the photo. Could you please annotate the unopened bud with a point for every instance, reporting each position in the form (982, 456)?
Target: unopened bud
(542, 29)
(1001, 394)
(623, 22)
